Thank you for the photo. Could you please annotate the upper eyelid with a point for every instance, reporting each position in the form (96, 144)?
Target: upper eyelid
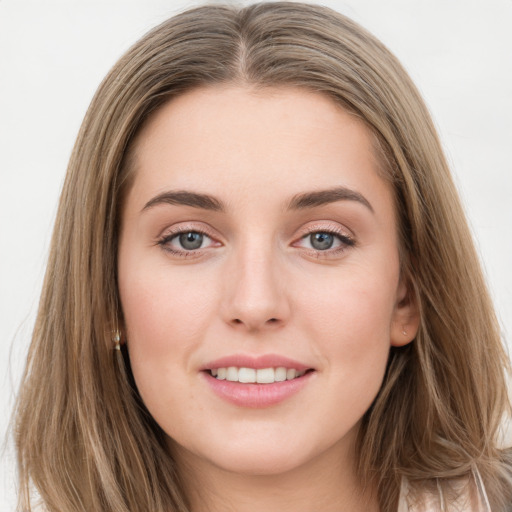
(165, 239)
(326, 227)
(184, 227)
(344, 239)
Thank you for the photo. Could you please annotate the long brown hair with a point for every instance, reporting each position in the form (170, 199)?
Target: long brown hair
(85, 440)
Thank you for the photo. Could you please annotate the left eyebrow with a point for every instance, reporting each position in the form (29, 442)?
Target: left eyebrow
(323, 197)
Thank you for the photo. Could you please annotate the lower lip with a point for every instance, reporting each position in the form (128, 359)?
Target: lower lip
(256, 395)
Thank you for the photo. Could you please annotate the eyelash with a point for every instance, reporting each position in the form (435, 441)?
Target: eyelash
(345, 242)
(165, 240)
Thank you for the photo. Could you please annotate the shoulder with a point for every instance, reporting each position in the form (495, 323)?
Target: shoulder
(466, 494)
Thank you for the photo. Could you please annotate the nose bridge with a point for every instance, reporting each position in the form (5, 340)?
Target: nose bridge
(255, 295)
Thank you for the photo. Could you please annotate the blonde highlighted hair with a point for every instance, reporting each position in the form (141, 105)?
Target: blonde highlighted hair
(84, 438)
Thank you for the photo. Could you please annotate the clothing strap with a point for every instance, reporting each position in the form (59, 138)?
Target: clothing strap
(466, 494)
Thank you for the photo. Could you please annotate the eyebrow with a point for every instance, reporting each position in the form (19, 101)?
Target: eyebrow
(185, 198)
(298, 202)
(323, 197)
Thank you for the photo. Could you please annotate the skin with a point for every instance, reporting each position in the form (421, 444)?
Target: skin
(256, 286)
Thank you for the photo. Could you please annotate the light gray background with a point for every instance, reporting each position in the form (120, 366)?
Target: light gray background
(53, 54)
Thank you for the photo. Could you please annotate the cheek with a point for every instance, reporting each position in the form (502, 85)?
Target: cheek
(162, 307)
(352, 305)
(351, 317)
(166, 315)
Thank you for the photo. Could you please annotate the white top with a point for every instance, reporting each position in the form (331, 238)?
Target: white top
(457, 495)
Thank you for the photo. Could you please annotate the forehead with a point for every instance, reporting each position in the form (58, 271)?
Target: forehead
(233, 138)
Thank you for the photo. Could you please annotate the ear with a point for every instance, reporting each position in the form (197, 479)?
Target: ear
(406, 315)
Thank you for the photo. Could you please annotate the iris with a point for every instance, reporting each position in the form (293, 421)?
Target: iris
(191, 240)
(321, 241)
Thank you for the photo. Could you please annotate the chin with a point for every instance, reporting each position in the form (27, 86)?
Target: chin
(261, 454)
(256, 463)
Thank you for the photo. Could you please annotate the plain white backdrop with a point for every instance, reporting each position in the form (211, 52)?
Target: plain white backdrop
(53, 55)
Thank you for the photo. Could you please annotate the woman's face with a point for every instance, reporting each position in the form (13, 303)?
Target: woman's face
(259, 242)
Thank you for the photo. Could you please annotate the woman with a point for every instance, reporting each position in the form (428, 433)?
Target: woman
(262, 291)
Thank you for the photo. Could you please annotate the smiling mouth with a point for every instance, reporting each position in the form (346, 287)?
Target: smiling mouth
(257, 376)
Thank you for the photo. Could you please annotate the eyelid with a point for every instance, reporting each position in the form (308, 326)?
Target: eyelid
(326, 227)
(186, 227)
(344, 235)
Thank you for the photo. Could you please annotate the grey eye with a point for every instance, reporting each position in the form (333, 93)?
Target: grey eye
(192, 240)
(321, 241)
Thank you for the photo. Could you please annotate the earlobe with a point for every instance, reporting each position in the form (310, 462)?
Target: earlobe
(406, 317)
(118, 337)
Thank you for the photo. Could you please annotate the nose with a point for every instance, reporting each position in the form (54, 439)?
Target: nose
(256, 295)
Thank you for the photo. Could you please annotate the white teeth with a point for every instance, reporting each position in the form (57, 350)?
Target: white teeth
(247, 375)
(280, 374)
(265, 376)
(232, 374)
(261, 375)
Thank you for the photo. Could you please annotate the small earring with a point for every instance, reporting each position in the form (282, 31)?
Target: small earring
(116, 338)
(404, 332)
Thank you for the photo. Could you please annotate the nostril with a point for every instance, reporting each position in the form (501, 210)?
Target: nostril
(255, 325)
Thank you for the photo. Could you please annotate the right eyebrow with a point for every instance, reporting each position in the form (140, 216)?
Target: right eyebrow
(185, 198)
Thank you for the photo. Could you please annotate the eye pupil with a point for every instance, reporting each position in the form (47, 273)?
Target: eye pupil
(191, 240)
(321, 241)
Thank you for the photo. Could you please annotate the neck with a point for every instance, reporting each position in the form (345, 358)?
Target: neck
(328, 483)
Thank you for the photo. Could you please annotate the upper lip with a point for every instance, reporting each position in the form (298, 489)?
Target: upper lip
(256, 362)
